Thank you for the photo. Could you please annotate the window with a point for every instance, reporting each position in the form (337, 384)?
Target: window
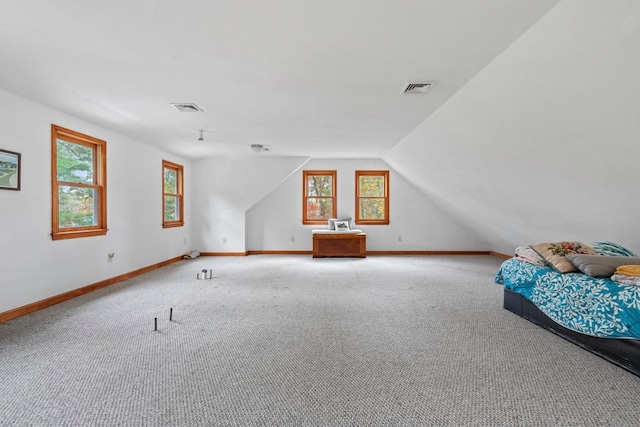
(318, 197)
(172, 197)
(78, 184)
(372, 197)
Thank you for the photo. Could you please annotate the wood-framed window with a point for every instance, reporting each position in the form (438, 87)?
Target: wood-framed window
(172, 195)
(78, 184)
(318, 196)
(372, 197)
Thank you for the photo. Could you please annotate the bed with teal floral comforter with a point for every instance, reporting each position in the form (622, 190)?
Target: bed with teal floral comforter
(592, 306)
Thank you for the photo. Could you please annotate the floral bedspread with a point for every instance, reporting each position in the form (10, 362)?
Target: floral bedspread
(592, 306)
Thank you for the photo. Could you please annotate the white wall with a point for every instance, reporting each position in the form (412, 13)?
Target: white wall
(544, 143)
(226, 187)
(34, 267)
(277, 217)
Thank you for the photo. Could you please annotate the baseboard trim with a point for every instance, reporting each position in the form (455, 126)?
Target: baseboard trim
(245, 253)
(500, 255)
(56, 299)
(279, 252)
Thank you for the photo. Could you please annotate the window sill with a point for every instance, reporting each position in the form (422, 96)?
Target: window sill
(62, 235)
(172, 224)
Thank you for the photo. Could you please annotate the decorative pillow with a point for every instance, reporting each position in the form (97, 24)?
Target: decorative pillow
(599, 265)
(611, 249)
(555, 254)
(525, 253)
(342, 225)
(332, 222)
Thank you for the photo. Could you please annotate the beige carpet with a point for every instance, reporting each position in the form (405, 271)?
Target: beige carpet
(296, 341)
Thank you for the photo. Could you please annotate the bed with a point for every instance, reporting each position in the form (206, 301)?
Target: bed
(579, 300)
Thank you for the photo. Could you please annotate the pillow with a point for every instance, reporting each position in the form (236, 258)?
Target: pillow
(332, 222)
(342, 225)
(611, 249)
(599, 265)
(555, 254)
(525, 253)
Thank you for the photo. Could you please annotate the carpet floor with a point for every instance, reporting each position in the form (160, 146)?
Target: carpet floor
(295, 341)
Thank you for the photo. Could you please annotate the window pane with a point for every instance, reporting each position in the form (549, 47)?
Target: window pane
(74, 162)
(171, 208)
(77, 206)
(170, 181)
(371, 186)
(320, 185)
(372, 208)
(319, 208)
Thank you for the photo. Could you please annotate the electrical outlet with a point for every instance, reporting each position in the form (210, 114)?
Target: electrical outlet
(224, 240)
(293, 238)
(399, 238)
(185, 241)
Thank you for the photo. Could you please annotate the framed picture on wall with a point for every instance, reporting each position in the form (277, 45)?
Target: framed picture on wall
(9, 170)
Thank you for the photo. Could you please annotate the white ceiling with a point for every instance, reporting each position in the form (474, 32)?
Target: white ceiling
(304, 78)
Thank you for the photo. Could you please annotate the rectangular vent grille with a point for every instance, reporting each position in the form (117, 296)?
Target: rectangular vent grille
(419, 88)
(187, 108)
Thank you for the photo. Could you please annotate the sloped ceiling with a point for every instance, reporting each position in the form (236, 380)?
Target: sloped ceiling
(543, 144)
(304, 78)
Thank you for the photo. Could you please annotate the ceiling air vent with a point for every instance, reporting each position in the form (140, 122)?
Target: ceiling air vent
(419, 88)
(187, 107)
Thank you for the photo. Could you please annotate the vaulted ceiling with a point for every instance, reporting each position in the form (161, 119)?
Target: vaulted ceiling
(303, 78)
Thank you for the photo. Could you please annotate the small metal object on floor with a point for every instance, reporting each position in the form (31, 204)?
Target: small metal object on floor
(206, 274)
(155, 320)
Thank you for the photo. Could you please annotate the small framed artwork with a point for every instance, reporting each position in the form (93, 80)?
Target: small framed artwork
(9, 170)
